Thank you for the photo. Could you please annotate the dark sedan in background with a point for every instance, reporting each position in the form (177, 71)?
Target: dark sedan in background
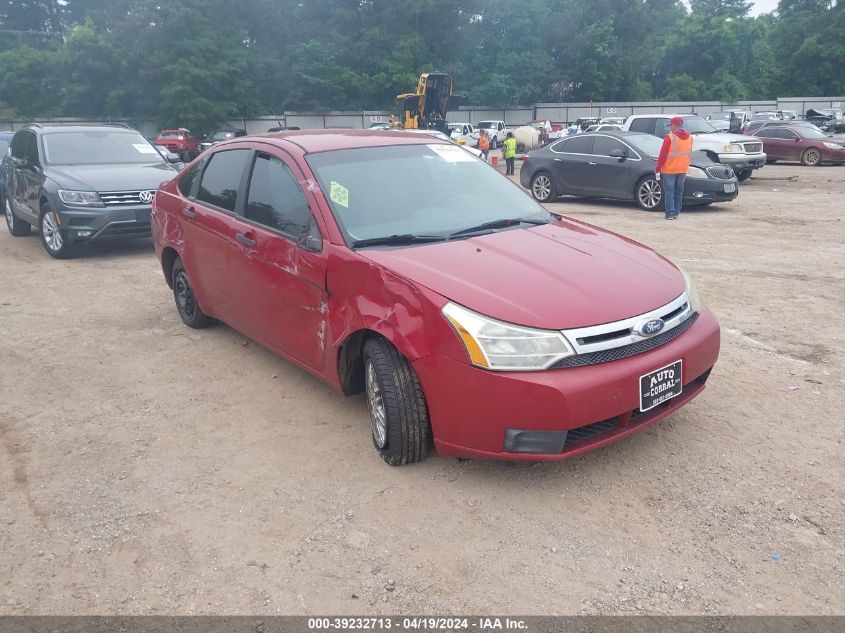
(619, 165)
(809, 146)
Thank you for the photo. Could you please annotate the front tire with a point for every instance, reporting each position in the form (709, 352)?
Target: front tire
(542, 187)
(744, 174)
(811, 157)
(649, 194)
(186, 301)
(17, 227)
(54, 239)
(401, 429)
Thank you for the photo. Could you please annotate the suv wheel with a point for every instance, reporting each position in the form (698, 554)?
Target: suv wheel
(186, 301)
(649, 194)
(17, 227)
(744, 174)
(398, 413)
(811, 157)
(53, 237)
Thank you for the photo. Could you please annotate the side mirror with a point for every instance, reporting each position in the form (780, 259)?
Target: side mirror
(173, 158)
(310, 240)
(618, 153)
(20, 163)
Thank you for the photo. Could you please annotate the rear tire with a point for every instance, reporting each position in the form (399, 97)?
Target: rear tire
(17, 227)
(811, 157)
(54, 239)
(543, 187)
(401, 428)
(186, 301)
(649, 194)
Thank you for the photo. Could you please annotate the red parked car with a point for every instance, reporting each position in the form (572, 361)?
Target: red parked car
(400, 266)
(179, 141)
(802, 144)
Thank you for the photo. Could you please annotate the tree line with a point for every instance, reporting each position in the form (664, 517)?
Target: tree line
(195, 63)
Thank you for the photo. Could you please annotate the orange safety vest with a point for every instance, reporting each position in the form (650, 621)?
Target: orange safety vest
(483, 142)
(678, 158)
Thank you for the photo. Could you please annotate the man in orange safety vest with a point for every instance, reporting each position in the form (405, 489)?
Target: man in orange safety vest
(673, 165)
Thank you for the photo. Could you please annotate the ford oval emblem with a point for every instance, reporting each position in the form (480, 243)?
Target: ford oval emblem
(649, 327)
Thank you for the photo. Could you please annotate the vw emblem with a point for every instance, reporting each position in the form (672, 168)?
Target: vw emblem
(649, 327)
(146, 196)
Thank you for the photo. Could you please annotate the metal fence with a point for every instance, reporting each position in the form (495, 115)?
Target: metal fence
(555, 112)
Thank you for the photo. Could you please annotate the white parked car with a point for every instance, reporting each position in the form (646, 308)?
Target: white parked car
(604, 127)
(463, 134)
(496, 130)
(743, 153)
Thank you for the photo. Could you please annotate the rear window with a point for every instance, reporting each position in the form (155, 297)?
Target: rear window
(222, 178)
(171, 134)
(641, 125)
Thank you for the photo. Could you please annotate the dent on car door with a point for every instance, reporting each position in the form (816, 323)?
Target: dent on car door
(209, 225)
(282, 267)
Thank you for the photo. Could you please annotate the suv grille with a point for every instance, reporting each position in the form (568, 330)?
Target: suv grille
(721, 172)
(120, 198)
(753, 148)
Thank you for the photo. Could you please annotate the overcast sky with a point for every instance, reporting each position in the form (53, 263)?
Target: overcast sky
(764, 6)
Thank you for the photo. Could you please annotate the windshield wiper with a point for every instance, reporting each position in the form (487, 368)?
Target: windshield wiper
(397, 240)
(497, 224)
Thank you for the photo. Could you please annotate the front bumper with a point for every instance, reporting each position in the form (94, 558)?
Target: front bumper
(705, 191)
(743, 161)
(101, 224)
(472, 410)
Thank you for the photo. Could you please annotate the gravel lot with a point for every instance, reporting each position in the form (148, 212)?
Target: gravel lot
(146, 468)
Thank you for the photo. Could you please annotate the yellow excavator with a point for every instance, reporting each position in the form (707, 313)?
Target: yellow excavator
(426, 108)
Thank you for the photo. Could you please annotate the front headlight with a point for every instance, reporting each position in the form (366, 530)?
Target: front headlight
(833, 146)
(80, 198)
(692, 292)
(501, 346)
(696, 172)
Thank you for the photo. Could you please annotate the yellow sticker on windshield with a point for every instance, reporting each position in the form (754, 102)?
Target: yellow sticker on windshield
(339, 194)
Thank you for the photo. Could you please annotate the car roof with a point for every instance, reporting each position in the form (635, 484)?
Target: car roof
(47, 129)
(312, 141)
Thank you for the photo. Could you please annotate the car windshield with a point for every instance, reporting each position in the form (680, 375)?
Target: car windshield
(222, 135)
(645, 144)
(171, 134)
(485, 125)
(98, 147)
(417, 190)
(697, 125)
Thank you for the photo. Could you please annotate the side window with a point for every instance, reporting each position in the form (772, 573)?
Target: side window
(187, 180)
(661, 127)
(788, 134)
(603, 145)
(275, 198)
(18, 148)
(641, 125)
(765, 134)
(222, 178)
(579, 145)
(32, 149)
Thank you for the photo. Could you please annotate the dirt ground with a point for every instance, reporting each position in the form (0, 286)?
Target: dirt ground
(146, 468)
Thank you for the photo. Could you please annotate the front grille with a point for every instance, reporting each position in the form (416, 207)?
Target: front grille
(626, 351)
(753, 148)
(586, 432)
(120, 198)
(722, 172)
(129, 229)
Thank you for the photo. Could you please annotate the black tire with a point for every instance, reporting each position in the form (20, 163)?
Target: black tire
(186, 302)
(543, 187)
(811, 157)
(494, 142)
(649, 194)
(403, 436)
(16, 226)
(54, 239)
(744, 174)
(770, 161)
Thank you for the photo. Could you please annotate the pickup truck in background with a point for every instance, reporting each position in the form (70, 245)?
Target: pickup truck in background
(496, 130)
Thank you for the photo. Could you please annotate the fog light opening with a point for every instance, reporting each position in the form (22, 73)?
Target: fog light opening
(698, 194)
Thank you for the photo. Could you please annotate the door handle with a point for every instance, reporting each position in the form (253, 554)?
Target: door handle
(558, 160)
(246, 241)
(189, 213)
(592, 163)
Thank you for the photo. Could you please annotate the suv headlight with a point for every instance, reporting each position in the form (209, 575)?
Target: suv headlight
(733, 148)
(502, 346)
(696, 172)
(692, 291)
(80, 198)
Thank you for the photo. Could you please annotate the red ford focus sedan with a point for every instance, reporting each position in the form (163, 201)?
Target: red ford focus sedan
(473, 320)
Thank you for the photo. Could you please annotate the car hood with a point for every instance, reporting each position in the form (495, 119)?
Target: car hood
(111, 177)
(562, 275)
(726, 137)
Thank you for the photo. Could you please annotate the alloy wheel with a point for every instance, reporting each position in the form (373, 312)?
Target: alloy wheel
(812, 157)
(185, 300)
(10, 219)
(650, 194)
(50, 231)
(375, 402)
(542, 187)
